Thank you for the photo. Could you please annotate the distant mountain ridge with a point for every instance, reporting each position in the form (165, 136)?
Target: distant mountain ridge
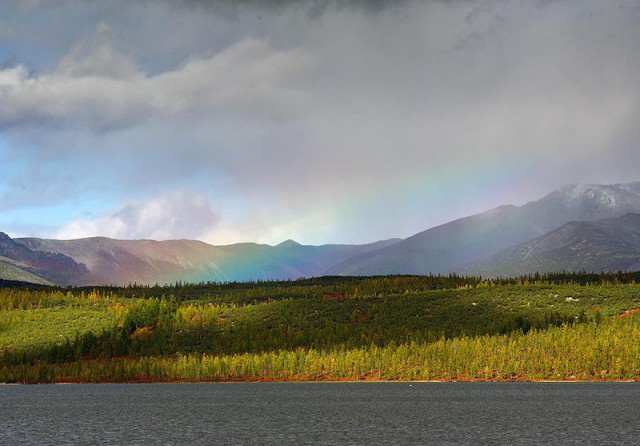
(18, 262)
(121, 262)
(607, 245)
(491, 242)
(451, 246)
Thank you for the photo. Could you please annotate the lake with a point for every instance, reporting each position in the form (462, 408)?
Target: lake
(322, 413)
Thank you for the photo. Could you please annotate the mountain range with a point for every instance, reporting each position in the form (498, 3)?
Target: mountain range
(577, 227)
(594, 246)
(449, 247)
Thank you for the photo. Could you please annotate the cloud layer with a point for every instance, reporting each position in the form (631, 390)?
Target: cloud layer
(103, 89)
(317, 121)
(175, 215)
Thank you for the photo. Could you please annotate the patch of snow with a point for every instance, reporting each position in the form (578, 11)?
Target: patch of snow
(600, 196)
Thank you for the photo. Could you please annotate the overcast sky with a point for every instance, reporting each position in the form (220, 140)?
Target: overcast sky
(325, 122)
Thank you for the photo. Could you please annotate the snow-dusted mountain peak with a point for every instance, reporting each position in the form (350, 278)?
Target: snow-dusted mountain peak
(597, 197)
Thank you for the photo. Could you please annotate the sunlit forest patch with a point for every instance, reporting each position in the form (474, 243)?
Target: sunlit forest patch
(562, 327)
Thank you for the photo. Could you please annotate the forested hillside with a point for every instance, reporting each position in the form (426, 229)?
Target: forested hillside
(397, 327)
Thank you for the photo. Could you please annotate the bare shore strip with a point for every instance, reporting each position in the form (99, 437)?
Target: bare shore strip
(334, 381)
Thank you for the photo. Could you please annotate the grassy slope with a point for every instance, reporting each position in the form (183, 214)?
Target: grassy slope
(8, 271)
(38, 328)
(442, 335)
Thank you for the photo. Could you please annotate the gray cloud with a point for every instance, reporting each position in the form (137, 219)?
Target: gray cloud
(314, 8)
(349, 117)
(101, 88)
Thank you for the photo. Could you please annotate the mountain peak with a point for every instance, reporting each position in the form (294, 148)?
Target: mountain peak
(288, 244)
(597, 200)
(576, 192)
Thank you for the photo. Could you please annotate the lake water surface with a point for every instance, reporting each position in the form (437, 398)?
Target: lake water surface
(322, 413)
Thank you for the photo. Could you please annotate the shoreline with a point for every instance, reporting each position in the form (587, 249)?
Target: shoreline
(346, 381)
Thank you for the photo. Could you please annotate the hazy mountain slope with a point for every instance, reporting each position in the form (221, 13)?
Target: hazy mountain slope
(443, 248)
(447, 247)
(603, 245)
(22, 263)
(290, 260)
(148, 262)
(122, 262)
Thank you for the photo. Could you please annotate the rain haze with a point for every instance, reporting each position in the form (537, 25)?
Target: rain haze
(324, 122)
